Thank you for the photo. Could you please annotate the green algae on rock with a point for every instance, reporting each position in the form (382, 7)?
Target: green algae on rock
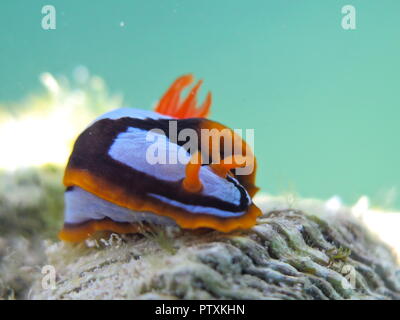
(31, 202)
(287, 255)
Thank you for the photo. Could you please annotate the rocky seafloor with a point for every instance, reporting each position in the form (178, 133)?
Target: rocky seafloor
(288, 255)
(295, 251)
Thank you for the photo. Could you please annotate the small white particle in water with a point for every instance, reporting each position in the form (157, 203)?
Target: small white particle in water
(122, 24)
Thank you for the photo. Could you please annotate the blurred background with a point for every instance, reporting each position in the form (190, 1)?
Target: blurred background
(324, 101)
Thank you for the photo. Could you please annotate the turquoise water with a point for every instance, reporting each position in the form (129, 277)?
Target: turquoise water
(324, 101)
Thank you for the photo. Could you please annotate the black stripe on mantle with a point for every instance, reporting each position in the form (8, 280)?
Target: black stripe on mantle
(91, 153)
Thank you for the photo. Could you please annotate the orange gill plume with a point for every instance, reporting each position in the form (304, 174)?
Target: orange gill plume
(171, 104)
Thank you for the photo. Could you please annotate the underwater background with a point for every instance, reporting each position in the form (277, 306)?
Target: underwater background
(324, 101)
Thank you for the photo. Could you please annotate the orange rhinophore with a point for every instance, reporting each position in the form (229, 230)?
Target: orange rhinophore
(225, 166)
(192, 181)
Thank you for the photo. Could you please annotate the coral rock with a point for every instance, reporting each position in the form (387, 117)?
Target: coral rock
(287, 255)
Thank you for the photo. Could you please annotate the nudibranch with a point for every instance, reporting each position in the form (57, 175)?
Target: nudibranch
(112, 186)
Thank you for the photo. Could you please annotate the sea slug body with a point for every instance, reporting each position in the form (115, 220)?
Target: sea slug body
(112, 186)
